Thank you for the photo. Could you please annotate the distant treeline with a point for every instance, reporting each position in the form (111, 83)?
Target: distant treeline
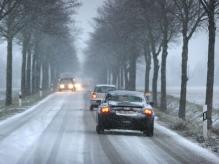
(43, 29)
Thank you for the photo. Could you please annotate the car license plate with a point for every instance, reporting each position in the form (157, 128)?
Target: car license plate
(126, 113)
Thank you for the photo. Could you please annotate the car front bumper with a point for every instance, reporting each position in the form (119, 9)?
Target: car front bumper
(95, 103)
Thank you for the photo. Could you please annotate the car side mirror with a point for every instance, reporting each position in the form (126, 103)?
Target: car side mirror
(152, 104)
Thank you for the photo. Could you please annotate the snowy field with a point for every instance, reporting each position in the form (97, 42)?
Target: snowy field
(195, 95)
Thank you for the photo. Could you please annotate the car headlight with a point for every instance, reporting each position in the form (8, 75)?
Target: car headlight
(70, 86)
(78, 86)
(61, 86)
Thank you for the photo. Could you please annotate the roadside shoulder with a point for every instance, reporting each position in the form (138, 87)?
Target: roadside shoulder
(189, 130)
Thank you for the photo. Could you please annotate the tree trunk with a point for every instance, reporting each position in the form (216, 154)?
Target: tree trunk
(119, 78)
(24, 64)
(147, 56)
(33, 79)
(108, 76)
(211, 57)
(9, 73)
(28, 72)
(155, 78)
(36, 73)
(126, 78)
(45, 80)
(114, 77)
(122, 78)
(163, 100)
(104, 76)
(132, 80)
(184, 79)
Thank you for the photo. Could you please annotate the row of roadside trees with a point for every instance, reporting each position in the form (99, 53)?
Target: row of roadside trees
(126, 30)
(43, 29)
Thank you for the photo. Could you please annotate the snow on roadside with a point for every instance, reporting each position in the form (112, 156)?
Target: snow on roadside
(10, 119)
(23, 137)
(188, 144)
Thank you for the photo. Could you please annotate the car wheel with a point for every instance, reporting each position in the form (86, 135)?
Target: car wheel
(99, 129)
(150, 131)
(91, 108)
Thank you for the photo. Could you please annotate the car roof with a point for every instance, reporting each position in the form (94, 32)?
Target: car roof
(105, 85)
(125, 92)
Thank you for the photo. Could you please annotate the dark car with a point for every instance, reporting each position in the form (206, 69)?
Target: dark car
(66, 84)
(125, 110)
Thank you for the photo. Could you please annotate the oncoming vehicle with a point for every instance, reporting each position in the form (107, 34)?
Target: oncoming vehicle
(125, 110)
(66, 84)
(99, 94)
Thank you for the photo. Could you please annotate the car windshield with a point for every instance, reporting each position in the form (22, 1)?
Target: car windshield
(66, 81)
(104, 89)
(124, 98)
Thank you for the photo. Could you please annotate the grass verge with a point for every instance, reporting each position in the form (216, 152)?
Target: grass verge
(8, 111)
(192, 126)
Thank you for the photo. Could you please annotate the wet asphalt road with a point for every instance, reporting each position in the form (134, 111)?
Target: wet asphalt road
(61, 130)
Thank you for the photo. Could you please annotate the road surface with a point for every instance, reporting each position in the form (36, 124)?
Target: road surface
(61, 130)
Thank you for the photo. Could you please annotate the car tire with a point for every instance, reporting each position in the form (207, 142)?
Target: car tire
(91, 108)
(99, 129)
(150, 131)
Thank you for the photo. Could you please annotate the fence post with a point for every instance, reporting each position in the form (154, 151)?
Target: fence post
(41, 92)
(205, 128)
(20, 98)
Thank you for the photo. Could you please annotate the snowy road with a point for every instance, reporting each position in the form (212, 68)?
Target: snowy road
(60, 130)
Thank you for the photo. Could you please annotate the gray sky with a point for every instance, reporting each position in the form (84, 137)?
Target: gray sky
(86, 12)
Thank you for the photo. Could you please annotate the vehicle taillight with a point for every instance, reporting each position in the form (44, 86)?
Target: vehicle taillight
(105, 110)
(148, 112)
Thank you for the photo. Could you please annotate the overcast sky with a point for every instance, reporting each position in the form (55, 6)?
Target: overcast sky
(86, 13)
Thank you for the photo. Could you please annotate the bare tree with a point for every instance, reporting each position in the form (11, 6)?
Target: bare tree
(47, 19)
(210, 9)
(169, 30)
(9, 27)
(190, 15)
(116, 20)
(147, 55)
(154, 37)
(6, 6)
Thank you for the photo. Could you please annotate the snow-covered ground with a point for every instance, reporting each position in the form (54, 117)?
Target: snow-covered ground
(195, 95)
(60, 130)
